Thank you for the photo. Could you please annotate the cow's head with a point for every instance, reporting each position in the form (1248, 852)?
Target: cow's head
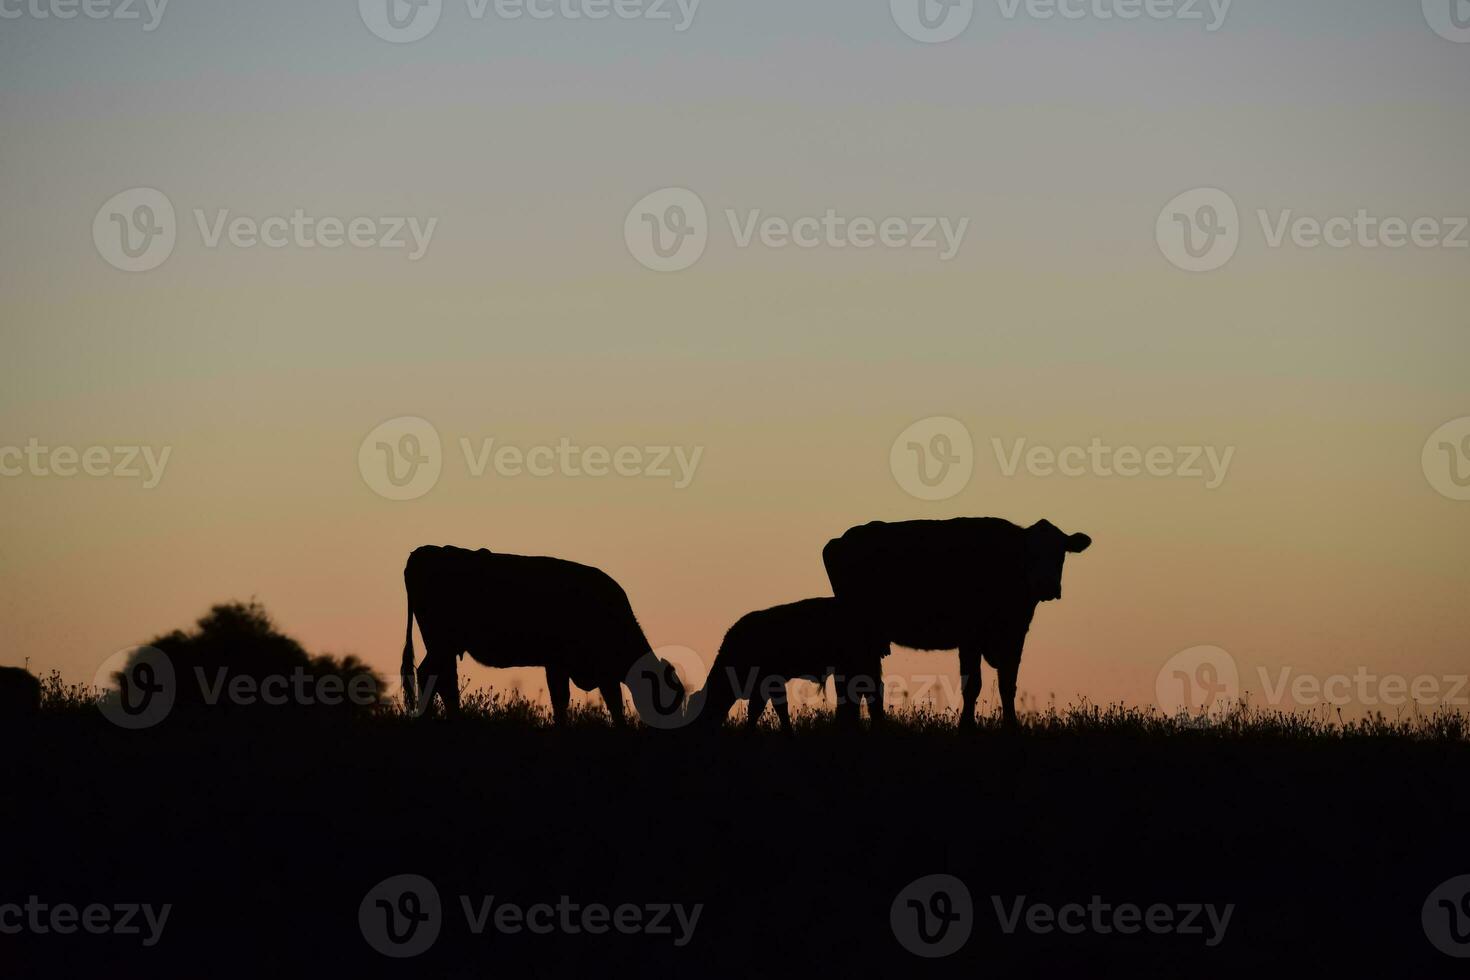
(1046, 548)
(658, 694)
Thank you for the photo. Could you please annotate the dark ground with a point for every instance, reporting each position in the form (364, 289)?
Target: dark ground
(266, 837)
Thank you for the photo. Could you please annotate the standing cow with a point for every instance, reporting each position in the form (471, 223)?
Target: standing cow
(518, 611)
(970, 582)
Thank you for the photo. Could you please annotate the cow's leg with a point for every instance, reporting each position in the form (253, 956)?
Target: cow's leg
(559, 686)
(1007, 678)
(969, 683)
(876, 710)
(756, 709)
(613, 695)
(438, 676)
(871, 670)
(778, 701)
(1004, 654)
(849, 701)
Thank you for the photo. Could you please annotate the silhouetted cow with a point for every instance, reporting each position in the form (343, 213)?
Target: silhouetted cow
(971, 583)
(812, 639)
(20, 693)
(518, 611)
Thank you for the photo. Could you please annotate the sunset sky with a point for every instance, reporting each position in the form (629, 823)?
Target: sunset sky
(1325, 548)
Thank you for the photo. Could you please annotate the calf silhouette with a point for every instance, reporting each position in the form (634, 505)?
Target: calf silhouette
(970, 582)
(519, 611)
(20, 693)
(812, 639)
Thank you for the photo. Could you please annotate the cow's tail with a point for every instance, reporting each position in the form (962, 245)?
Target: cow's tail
(406, 668)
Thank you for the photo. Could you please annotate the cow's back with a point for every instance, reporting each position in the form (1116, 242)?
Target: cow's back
(521, 610)
(803, 638)
(928, 584)
(531, 584)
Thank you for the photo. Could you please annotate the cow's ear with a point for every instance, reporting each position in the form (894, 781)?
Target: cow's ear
(1078, 543)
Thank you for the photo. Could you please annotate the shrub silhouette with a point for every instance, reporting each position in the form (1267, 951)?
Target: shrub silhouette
(236, 658)
(20, 693)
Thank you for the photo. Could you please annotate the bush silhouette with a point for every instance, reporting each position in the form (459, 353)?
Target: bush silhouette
(236, 658)
(20, 693)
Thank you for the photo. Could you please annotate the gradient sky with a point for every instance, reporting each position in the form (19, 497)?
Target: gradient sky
(1325, 550)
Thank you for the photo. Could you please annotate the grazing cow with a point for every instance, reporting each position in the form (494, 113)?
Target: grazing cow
(812, 639)
(971, 583)
(518, 611)
(20, 693)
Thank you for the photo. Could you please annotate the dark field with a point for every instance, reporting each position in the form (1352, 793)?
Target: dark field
(265, 834)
